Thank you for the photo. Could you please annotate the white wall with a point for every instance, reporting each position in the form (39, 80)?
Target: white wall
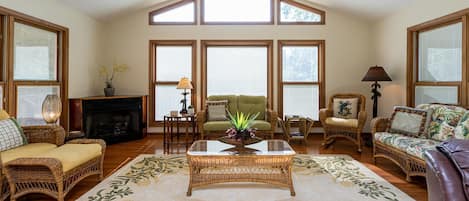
(391, 44)
(85, 38)
(349, 46)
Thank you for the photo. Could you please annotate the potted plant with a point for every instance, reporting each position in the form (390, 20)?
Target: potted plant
(109, 75)
(241, 133)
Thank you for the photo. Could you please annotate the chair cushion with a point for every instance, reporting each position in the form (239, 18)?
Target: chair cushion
(345, 108)
(252, 105)
(411, 145)
(261, 125)
(217, 125)
(11, 135)
(73, 155)
(28, 150)
(444, 120)
(4, 115)
(217, 110)
(410, 121)
(334, 121)
(232, 101)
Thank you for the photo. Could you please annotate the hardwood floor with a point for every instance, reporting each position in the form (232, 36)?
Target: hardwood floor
(118, 153)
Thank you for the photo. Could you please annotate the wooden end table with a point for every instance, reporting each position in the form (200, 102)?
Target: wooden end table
(177, 127)
(269, 161)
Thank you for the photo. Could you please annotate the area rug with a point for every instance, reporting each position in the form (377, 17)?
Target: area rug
(315, 178)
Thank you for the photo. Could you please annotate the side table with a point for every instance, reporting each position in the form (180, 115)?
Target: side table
(302, 124)
(178, 131)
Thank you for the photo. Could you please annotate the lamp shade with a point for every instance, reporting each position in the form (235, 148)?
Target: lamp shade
(51, 108)
(184, 83)
(376, 73)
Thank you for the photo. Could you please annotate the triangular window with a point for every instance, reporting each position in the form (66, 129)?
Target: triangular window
(292, 12)
(183, 12)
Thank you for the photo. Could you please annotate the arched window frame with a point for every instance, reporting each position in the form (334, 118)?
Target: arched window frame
(302, 6)
(170, 7)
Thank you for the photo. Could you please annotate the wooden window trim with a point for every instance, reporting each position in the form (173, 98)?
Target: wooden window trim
(412, 56)
(203, 22)
(170, 7)
(9, 90)
(153, 71)
(302, 6)
(234, 43)
(321, 71)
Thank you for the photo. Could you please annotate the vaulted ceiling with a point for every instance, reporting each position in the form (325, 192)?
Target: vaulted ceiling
(371, 10)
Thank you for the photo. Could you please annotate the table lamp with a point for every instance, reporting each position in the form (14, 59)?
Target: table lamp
(185, 84)
(51, 108)
(375, 74)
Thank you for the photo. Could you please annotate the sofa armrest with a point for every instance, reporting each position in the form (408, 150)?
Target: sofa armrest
(17, 168)
(272, 118)
(53, 134)
(324, 113)
(379, 124)
(362, 115)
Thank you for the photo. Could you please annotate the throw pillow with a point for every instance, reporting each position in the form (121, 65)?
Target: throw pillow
(217, 110)
(444, 120)
(346, 108)
(410, 121)
(11, 135)
(462, 129)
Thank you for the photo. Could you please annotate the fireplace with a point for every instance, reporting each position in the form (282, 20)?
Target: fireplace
(113, 119)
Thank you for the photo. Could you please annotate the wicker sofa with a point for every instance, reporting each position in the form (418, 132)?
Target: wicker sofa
(46, 165)
(445, 122)
(265, 123)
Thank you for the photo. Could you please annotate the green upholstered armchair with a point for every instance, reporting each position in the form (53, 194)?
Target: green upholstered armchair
(265, 123)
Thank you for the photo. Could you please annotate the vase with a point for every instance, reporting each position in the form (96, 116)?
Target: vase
(109, 91)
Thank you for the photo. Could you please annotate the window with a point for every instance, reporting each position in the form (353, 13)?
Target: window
(171, 60)
(35, 70)
(436, 72)
(291, 12)
(237, 11)
(180, 13)
(34, 60)
(237, 67)
(301, 78)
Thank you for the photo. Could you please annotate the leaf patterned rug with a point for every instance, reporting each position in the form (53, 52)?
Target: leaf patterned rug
(315, 177)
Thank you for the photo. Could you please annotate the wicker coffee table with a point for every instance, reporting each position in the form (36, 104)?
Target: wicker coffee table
(268, 161)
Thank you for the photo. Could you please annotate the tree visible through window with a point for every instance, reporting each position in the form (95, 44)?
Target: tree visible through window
(301, 86)
(291, 12)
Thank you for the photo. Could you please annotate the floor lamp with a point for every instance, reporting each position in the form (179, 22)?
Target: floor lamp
(185, 84)
(375, 74)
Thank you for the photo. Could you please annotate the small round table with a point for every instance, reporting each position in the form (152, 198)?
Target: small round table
(177, 127)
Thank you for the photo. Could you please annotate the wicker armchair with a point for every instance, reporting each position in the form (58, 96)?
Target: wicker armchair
(46, 175)
(348, 129)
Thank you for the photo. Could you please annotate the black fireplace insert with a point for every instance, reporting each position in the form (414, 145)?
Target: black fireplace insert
(114, 120)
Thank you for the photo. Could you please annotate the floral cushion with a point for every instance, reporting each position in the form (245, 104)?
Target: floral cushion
(411, 145)
(444, 120)
(462, 129)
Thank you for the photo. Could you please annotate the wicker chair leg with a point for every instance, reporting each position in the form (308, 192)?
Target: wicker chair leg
(408, 178)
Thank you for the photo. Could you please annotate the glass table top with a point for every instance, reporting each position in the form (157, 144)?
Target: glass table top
(217, 148)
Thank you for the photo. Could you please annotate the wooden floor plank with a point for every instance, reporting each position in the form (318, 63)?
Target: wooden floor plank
(118, 153)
